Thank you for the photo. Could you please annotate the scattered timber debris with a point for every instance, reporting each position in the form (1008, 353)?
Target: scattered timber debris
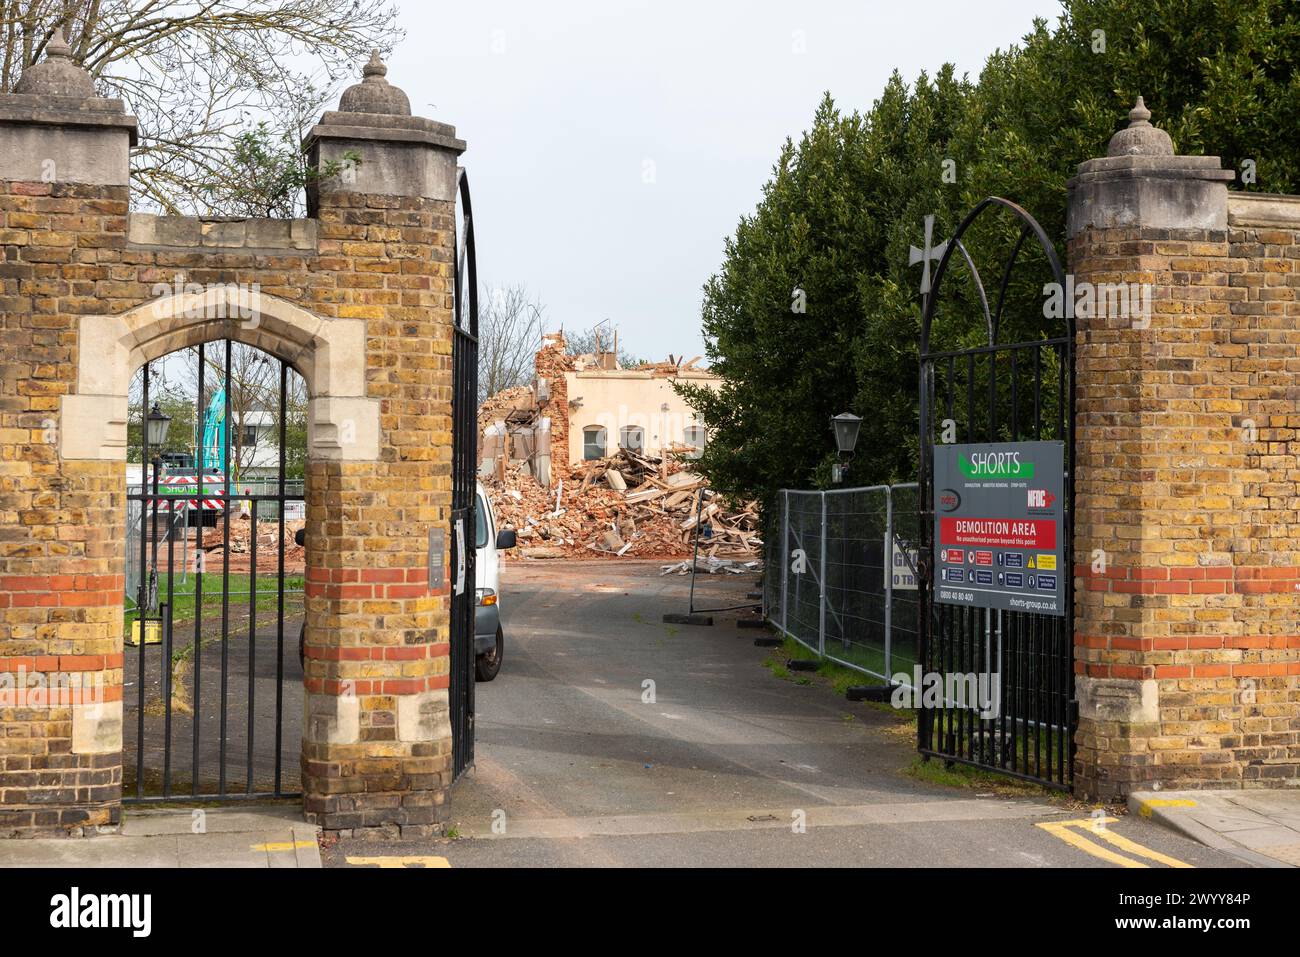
(623, 505)
(711, 566)
(627, 504)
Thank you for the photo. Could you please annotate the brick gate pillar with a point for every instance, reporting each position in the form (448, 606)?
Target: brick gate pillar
(63, 198)
(1186, 524)
(377, 734)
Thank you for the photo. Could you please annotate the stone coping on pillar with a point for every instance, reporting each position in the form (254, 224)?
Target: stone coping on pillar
(54, 129)
(384, 127)
(214, 233)
(1154, 192)
(1169, 167)
(68, 111)
(1276, 210)
(50, 138)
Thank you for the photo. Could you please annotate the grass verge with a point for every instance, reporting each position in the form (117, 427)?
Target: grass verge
(268, 588)
(965, 777)
(840, 677)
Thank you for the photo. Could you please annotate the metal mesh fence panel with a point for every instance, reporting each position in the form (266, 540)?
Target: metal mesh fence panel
(803, 594)
(834, 584)
(856, 623)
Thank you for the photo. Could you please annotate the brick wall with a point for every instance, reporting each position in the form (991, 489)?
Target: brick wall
(1188, 557)
(551, 362)
(382, 636)
(358, 298)
(374, 629)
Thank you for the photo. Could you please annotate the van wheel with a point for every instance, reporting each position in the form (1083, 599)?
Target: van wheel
(488, 664)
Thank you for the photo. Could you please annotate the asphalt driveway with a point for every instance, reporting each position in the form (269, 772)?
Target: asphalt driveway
(612, 739)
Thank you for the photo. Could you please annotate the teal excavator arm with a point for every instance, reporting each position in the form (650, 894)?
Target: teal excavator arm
(214, 434)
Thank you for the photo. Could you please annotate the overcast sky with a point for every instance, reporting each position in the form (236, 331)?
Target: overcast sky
(613, 144)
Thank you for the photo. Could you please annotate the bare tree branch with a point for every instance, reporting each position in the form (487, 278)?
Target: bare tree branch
(510, 326)
(598, 338)
(197, 73)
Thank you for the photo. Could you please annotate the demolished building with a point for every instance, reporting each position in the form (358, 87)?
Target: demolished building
(587, 407)
(592, 457)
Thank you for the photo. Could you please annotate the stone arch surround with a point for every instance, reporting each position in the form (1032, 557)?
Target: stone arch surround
(329, 353)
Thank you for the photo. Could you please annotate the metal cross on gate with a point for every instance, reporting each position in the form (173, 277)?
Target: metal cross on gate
(915, 255)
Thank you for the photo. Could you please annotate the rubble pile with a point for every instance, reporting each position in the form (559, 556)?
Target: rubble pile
(625, 505)
(628, 504)
(509, 405)
(268, 553)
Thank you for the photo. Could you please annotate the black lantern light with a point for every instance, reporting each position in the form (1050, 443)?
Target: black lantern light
(845, 426)
(156, 425)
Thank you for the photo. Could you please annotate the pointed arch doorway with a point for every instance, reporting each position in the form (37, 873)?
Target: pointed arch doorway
(214, 587)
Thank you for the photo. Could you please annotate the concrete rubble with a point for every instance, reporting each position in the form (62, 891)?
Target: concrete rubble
(627, 504)
(268, 554)
(624, 505)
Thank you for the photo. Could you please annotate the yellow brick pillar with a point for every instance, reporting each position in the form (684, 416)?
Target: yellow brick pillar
(1186, 535)
(377, 737)
(63, 201)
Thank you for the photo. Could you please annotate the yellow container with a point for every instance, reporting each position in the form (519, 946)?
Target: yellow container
(152, 633)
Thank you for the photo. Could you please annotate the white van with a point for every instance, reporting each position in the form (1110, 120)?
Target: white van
(489, 640)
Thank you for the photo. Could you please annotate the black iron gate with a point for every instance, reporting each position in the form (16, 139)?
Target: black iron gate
(998, 392)
(205, 687)
(464, 413)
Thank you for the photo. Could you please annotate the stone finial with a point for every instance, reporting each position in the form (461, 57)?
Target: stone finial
(375, 66)
(374, 94)
(1140, 138)
(58, 45)
(399, 154)
(57, 74)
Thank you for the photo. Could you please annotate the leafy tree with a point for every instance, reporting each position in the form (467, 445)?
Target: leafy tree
(848, 200)
(269, 176)
(172, 402)
(782, 315)
(295, 427)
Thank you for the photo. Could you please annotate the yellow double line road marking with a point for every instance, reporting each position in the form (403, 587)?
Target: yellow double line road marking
(1097, 828)
(282, 845)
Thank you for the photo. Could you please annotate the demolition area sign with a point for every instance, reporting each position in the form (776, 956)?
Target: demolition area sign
(998, 511)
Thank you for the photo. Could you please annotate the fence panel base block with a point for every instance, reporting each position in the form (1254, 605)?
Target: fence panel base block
(673, 618)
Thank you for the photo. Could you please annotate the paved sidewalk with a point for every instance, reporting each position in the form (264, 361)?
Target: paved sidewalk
(228, 837)
(1259, 826)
